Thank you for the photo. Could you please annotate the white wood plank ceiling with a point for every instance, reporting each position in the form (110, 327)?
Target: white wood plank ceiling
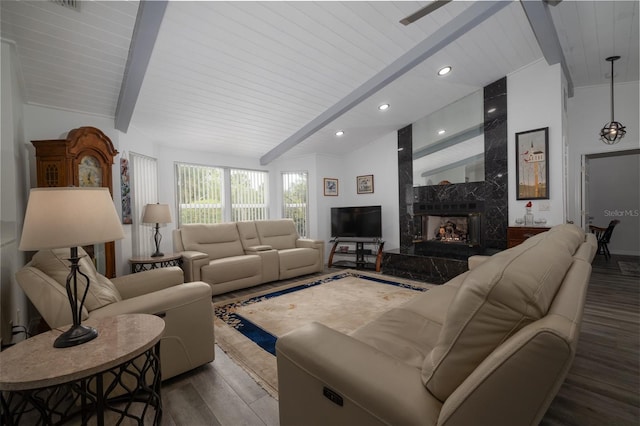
(241, 77)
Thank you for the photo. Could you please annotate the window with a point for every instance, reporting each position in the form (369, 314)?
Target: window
(217, 194)
(295, 200)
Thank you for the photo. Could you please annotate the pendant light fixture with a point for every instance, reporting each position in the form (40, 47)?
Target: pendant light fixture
(613, 131)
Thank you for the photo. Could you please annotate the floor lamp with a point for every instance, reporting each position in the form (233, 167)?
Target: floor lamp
(71, 217)
(157, 213)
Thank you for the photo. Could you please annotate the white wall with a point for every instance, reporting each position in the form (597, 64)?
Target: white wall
(534, 101)
(380, 159)
(13, 171)
(588, 111)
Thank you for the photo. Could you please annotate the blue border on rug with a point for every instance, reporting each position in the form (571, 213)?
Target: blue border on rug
(263, 338)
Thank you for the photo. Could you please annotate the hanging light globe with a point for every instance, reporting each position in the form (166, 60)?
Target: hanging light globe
(613, 131)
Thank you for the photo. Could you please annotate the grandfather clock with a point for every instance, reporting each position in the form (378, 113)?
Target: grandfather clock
(84, 158)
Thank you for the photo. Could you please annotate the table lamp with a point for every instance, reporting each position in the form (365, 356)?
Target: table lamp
(70, 217)
(157, 213)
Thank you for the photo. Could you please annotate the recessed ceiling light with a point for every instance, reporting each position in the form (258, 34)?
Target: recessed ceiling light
(491, 110)
(442, 131)
(383, 107)
(339, 133)
(444, 71)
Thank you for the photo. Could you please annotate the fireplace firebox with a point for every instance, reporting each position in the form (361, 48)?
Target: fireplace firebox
(448, 229)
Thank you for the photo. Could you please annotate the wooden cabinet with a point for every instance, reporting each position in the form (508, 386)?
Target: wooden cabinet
(517, 234)
(85, 159)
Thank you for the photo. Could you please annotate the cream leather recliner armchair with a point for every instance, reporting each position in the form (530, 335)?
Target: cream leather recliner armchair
(188, 339)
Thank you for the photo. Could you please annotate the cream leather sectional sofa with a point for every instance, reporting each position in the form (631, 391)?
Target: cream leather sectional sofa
(490, 347)
(235, 255)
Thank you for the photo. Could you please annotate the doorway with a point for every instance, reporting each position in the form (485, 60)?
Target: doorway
(610, 191)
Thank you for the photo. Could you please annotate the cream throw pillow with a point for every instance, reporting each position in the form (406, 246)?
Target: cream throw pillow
(54, 263)
(496, 299)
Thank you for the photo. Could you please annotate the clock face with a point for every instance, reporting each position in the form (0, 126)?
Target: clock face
(89, 172)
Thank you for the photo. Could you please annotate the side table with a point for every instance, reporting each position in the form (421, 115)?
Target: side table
(517, 234)
(145, 263)
(114, 374)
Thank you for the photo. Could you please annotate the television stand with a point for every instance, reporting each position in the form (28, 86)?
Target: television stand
(360, 248)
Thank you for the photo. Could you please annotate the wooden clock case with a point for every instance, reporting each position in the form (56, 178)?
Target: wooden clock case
(59, 161)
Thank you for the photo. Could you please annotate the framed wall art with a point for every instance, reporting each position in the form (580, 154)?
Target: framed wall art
(365, 184)
(330, 187)
(532, 164)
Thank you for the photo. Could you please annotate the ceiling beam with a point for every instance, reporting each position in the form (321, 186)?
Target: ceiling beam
(543, 28)
(145, 33)
(474, 15)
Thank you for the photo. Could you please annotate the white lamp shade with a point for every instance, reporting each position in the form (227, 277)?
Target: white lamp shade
(69, 217)
(156, 213)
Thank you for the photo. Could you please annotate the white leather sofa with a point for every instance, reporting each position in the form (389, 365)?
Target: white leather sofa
(490, 347)
(188, 339)
(234, 255)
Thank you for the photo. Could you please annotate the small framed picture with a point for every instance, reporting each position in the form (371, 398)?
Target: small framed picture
(330, 187)
(365, 184)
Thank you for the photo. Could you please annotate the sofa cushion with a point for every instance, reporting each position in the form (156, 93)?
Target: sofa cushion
(232, 268)
(218, 240)
(496, 299)
(279, 233)
(410, 331)
(55, 264)
(297, 258)
(248, 234)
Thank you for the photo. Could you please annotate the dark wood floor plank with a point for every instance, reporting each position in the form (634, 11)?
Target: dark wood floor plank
(186, 406)
(267, 409)
(237, 378)
(228, 407)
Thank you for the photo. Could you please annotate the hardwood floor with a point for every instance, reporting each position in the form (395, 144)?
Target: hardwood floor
(602, 387)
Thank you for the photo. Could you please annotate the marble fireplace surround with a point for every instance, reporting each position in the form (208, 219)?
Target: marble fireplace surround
(414, 261)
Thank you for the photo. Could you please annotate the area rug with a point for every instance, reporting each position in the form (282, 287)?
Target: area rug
(631, 269)
(247, 328)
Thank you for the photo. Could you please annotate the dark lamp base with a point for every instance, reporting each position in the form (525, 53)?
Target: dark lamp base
(157, 254)
(76, 335)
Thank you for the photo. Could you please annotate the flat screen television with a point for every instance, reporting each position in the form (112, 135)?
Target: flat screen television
(356, 222)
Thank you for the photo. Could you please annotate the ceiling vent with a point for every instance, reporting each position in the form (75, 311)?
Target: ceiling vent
(71, 4)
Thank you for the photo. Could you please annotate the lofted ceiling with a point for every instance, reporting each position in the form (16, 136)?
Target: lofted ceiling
(241, 78)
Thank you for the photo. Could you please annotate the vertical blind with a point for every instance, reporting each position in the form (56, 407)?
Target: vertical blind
(249, 193)
(208, 194)
(199, 194)
(295, 200)
(144, 190)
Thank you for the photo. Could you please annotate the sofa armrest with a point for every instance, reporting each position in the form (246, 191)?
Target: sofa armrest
(307, 243)
(133, 285)
(157, 302)
(476, 260)
(375, 387)
(254, 249)
(192, 262)
(188, 339)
